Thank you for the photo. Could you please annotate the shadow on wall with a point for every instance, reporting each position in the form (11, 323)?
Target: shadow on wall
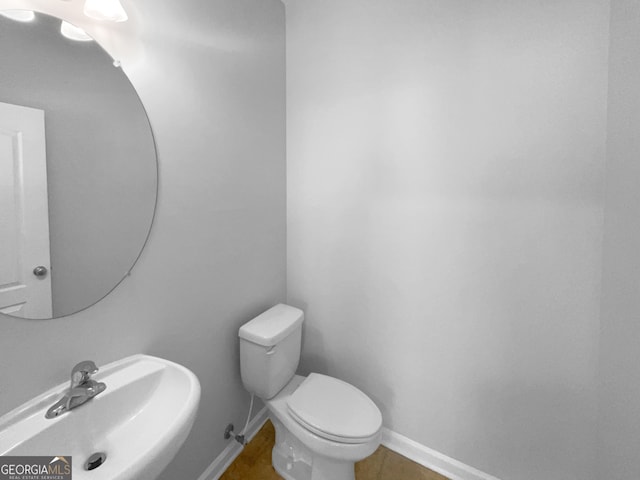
(505, 420)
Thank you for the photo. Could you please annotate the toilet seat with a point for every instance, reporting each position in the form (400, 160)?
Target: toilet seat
(334, 410)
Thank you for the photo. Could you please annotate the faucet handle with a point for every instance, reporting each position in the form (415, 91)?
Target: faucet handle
(82, 372)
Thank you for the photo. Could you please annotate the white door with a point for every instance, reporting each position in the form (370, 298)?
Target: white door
(24, 214)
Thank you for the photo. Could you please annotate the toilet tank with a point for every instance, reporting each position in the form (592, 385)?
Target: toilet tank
(270, 350)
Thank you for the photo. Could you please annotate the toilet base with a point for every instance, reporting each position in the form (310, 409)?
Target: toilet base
(290, 470)
(294, 461)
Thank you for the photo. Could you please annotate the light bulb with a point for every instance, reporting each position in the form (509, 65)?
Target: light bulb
(74, 33)
(105, 10)
(19, 15)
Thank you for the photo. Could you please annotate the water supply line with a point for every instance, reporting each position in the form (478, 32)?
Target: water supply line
(240, 438)
(244, 430)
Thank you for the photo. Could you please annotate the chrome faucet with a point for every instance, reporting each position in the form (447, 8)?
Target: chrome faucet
(82, 389)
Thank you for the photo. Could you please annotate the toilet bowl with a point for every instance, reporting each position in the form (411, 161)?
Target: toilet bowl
(323, 425)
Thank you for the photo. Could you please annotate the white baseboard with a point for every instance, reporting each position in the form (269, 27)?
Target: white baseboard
(436, 461)
(229, 454)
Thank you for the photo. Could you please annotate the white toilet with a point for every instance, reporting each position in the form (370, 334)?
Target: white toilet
(323, 425)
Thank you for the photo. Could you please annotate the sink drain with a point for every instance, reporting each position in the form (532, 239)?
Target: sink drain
(95, 461)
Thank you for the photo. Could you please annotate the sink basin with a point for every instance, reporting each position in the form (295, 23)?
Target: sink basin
(140, 421)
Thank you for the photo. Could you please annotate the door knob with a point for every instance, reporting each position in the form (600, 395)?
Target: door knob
(40, 271)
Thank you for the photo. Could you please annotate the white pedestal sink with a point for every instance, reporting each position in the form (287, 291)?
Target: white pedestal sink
(140, 421)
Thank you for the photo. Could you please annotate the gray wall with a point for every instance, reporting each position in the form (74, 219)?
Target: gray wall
(100, 156)
(211, 75)
(445, 214)
(619, 434)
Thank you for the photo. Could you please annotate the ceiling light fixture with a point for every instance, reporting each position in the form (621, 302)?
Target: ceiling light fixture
(105, 10)
(74, 33)
(19, 15)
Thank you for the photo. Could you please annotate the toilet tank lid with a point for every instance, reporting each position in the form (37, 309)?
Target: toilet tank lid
(271, 326)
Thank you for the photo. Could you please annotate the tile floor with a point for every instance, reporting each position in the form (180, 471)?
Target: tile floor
(254, 463)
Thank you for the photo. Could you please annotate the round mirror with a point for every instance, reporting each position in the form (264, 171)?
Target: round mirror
(78, 170)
